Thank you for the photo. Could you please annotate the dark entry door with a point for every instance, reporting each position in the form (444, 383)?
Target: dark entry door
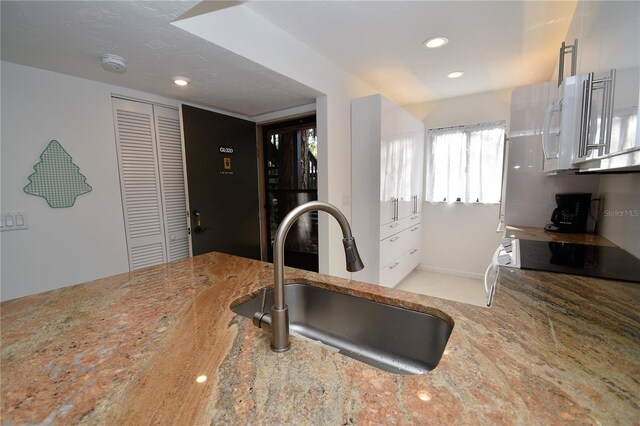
(222, 175)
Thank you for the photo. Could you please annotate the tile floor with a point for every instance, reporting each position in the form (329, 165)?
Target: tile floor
(450, 287)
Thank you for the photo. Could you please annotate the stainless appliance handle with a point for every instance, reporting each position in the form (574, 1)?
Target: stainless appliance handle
(546, 149)
(490, 290)
(486, 278)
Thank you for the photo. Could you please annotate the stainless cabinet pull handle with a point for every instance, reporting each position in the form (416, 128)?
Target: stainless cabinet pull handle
(394, 206)
(585, 116)
(396, 238)
(394, 265)
(413, 251)
(413, 229)
(607, 84)
(397, 203)
(393, 225)
(574, 53)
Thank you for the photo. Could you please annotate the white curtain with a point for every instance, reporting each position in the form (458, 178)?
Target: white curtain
(396, 160)
(465, 163)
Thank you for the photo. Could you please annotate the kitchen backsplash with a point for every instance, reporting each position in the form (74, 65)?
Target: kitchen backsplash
(619, 212)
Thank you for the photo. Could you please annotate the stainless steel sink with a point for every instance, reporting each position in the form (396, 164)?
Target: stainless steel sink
(393, 339)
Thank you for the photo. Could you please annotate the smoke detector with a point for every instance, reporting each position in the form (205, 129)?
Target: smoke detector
(114, 63)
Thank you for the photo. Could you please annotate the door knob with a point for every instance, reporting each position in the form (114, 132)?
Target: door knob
(197, 226)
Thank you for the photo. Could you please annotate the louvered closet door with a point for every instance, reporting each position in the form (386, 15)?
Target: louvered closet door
(174, 203)
(140, 183)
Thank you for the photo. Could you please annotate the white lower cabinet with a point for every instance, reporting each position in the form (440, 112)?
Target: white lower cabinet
(399, 255)
(387, 161)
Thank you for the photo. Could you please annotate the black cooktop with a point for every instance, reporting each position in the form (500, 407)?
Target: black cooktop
(579, 259)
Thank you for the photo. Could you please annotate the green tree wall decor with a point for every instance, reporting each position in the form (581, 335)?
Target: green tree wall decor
(56, 178)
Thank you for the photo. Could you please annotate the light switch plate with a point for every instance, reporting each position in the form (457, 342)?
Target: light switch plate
(13, 221)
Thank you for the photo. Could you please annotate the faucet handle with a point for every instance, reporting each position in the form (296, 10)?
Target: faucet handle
(261, 319)
(264, 299)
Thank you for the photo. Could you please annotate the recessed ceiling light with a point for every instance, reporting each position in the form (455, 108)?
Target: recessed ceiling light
(181, 81)
(455, 74)
(434, 42)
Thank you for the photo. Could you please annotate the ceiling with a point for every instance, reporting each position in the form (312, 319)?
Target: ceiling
(69, 37)
(498, 45)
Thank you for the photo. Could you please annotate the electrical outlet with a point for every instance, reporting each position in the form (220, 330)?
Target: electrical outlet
(13, 221)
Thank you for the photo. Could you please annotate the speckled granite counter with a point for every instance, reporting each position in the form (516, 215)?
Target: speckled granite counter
(553, 349)
(539, 234)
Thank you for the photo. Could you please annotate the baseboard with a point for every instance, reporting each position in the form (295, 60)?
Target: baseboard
(458, 273)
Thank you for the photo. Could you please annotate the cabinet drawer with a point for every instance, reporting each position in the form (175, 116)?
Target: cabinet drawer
(414, 235)
(400, 225)
(393, 247)
(412, 259)
(389, 229)
(399, 268)
(391, 274)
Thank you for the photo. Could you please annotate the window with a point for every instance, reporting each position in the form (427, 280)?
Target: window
(464, 163)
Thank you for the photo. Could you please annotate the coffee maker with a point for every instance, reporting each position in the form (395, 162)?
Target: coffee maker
(571, 214)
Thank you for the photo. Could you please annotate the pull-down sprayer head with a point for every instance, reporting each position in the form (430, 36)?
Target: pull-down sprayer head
(354, 263)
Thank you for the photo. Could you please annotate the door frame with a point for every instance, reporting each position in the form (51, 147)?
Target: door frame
(186, 181)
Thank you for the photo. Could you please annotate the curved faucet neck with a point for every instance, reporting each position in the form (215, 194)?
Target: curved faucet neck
(281, 236)
(279, 313)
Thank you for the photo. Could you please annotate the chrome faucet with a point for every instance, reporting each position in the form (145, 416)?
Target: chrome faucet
(278, 320)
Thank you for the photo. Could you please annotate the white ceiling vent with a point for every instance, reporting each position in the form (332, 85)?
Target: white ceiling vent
(114, 63)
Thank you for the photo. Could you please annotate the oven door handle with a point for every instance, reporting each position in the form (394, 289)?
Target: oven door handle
(490, 290)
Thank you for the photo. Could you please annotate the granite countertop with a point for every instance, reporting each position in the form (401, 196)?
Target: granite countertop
(553, 349)
(539, 234)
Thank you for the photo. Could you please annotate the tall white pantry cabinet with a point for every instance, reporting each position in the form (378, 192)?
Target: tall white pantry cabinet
(387, 155)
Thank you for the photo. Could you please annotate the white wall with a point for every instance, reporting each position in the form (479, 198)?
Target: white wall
(461, 238)
(458, 238)
(68, 245)
(246, 33)
(470, 109)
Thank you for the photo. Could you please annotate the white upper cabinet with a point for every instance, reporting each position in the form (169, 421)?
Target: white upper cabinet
(608, 36)
(528, 107)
